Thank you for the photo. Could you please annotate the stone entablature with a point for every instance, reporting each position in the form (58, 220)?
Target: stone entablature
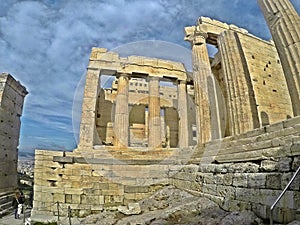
(111, 63)
(12, 95)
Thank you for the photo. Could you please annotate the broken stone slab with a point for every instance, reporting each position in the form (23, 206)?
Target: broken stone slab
(131, 209)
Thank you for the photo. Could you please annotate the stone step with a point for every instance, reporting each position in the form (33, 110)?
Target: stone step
(5, 204)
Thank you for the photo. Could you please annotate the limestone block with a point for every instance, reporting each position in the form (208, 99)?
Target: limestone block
(131, 209)
(246, 167)
(278, 142)
(291, 122)
(209, 178)
(285, 179)
(291, 130)
(297, 199)
(295, 148)
(113, 192)
(96, 208)
(274, 127)
(268, 197)
(268, 165)
(257, 180)
(209, 189)
(260, 210)
(246, 194)
(240, 180)
(296, 163)
(57, 197)
(143, 181)
(225, 191)
(276, 152)
(76, 199)
(228, 179)
(96, 53)
(136, 189)
(60, 159)
(273, 181)
(219, 179)
(74, 191)
(233, 205)
(284, 164)
(255, 132)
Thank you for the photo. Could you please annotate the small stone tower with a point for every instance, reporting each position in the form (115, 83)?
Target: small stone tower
(12, 95)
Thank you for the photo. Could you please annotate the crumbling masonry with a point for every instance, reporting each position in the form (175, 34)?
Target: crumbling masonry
(12, 95)
(228, 131)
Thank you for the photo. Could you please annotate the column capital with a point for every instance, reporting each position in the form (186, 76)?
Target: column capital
(195, 35)
(123, 75)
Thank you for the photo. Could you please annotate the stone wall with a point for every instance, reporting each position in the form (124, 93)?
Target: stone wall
(267, 79)
(102, 177)
(249, 171)
(12, 95)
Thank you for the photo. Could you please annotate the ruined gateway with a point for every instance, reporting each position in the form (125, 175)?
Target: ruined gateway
(228, 131)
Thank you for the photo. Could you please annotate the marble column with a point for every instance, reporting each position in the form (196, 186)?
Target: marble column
(121, 123)
(154, 120)
(284, 24)
(183, 135)
(88, 131)
(243, 115)
(201, 72)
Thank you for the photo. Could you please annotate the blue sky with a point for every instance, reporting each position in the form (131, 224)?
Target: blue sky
(45, 44)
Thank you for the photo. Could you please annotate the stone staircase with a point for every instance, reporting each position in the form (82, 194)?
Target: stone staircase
(5, 203)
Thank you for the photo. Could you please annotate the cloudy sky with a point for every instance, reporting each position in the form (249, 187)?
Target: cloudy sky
(45, 44)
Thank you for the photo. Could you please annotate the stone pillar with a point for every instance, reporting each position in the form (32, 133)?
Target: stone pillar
(12, 95)
(121, 124)
(201, 72)
(284, 24)
(183, 134)
(154, 120)
(88, 131)
(215, 112)
(243, 114)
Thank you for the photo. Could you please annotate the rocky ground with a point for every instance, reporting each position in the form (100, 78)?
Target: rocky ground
(171, 206)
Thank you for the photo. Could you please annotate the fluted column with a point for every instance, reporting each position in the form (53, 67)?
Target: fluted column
(88, 131)
(284, 24)
(243, 114)
(201, 72)
(183, 115)
(154, 120)
(121, 124)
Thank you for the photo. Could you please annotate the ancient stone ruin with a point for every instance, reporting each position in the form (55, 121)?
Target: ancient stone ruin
(228, 130)
(12, 95)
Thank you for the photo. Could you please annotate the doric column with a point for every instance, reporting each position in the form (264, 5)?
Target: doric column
(284, 24)
(242, 108)
(154, 120)
(88, 131)
(215, 112)
(201, 72)
(183, 115)
(121, 124)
